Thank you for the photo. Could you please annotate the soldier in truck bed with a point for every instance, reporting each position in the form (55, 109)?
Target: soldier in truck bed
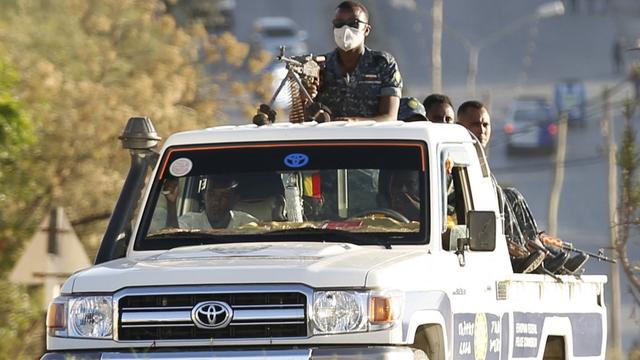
(474, 116)
(520, 226)
(357, 82)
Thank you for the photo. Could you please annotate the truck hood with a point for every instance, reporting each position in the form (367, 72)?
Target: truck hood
(311, 263)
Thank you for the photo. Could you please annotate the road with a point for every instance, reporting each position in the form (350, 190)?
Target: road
(571, 46)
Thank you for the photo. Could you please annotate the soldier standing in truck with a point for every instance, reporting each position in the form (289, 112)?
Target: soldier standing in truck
(357, 82)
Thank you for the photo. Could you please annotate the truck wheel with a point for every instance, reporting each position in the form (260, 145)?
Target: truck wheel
(554, 348)
(429, 339)
(419, 355)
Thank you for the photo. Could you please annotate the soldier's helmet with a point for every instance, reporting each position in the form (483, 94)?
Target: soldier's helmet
(411, 110)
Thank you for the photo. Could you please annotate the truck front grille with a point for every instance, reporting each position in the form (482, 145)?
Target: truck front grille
(256, 314)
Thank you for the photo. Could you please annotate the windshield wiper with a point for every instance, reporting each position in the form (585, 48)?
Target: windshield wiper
(184, 234)
(342, 234)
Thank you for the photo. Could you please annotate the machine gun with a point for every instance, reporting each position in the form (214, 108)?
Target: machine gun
(305, 67)
(554, 241)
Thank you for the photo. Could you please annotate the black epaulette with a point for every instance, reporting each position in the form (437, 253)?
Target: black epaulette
(382, 57)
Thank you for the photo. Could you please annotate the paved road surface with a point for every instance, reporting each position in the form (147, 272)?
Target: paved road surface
(577, 45)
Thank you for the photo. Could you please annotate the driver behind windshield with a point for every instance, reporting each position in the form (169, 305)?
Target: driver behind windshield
(404, 194)
(220, 195)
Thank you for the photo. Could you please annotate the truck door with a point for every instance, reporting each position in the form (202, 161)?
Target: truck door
(477, 320)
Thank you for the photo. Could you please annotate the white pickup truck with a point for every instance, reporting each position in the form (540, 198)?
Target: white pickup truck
(356, 240)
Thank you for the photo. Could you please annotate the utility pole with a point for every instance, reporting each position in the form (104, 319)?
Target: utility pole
(556, 189)
(616, 316)
(472, 70)
(436, 48)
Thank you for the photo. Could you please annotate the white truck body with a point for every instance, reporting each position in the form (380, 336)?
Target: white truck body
(479, 310)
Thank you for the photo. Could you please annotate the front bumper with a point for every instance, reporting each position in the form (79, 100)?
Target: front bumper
(320, 353)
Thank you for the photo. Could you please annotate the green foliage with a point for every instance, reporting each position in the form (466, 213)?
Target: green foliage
(79, 69)
(21, 323)
(85, 67)
(71, 73)
(629, 202)
(628, 158)
(16, 138)
(15, 126)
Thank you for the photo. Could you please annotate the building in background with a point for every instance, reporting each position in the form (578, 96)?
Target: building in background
(53, 253)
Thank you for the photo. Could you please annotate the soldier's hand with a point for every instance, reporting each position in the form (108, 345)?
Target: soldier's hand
(318, 112)
(265, 115)
(170, 190)
(312, 86)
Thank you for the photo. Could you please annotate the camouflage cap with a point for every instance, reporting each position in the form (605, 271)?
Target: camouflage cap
(411, 110)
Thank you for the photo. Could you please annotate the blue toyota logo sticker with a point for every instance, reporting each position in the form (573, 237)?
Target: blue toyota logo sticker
(296, 160)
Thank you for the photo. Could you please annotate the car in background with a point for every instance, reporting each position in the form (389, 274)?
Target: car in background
(531, 126)
(226, 18)
(269, 33)
(215, 16)
(571, 97)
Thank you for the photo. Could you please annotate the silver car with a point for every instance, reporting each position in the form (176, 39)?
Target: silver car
(269, 33)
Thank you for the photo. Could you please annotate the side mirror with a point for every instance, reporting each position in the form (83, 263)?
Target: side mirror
(482, 230)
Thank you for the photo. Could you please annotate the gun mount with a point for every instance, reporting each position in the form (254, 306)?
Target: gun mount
(302, 105)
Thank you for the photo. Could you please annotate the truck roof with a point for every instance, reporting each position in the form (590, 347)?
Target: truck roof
(337, 130)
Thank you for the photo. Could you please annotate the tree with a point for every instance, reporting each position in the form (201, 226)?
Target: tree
(87, 66)
(634, 354)
(16, 137)
(629, 202)
(21, 325)
(21, 329)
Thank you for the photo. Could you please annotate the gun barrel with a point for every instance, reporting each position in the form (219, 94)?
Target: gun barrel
(289, 61)
(593, 255)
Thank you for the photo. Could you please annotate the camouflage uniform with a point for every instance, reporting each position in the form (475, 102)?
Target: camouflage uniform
(357, 94)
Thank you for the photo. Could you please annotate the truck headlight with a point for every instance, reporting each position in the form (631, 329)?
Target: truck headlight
(82, 316)
(339, 311)
(354, 311)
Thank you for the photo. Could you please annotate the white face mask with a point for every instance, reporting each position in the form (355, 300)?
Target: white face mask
(348, 38)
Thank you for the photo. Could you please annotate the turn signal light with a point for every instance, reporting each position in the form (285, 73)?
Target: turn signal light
(55, 316)
(381, 310)
(552, 129)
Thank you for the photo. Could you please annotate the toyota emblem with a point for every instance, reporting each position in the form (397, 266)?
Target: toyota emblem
(296, 160)
(211, 315)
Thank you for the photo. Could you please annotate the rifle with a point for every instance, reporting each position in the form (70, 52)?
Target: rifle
(554, 241)
(305, 67)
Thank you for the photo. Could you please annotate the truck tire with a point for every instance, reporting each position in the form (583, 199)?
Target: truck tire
(554, 349)
(419, 355)
(430, 340)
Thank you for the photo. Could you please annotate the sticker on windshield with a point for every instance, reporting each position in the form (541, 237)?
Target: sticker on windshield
(180, 167)
(296, 160)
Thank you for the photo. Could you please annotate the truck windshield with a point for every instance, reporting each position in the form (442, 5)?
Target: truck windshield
(359, 192)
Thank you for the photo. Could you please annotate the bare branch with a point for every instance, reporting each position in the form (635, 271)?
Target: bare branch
(88, 219)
